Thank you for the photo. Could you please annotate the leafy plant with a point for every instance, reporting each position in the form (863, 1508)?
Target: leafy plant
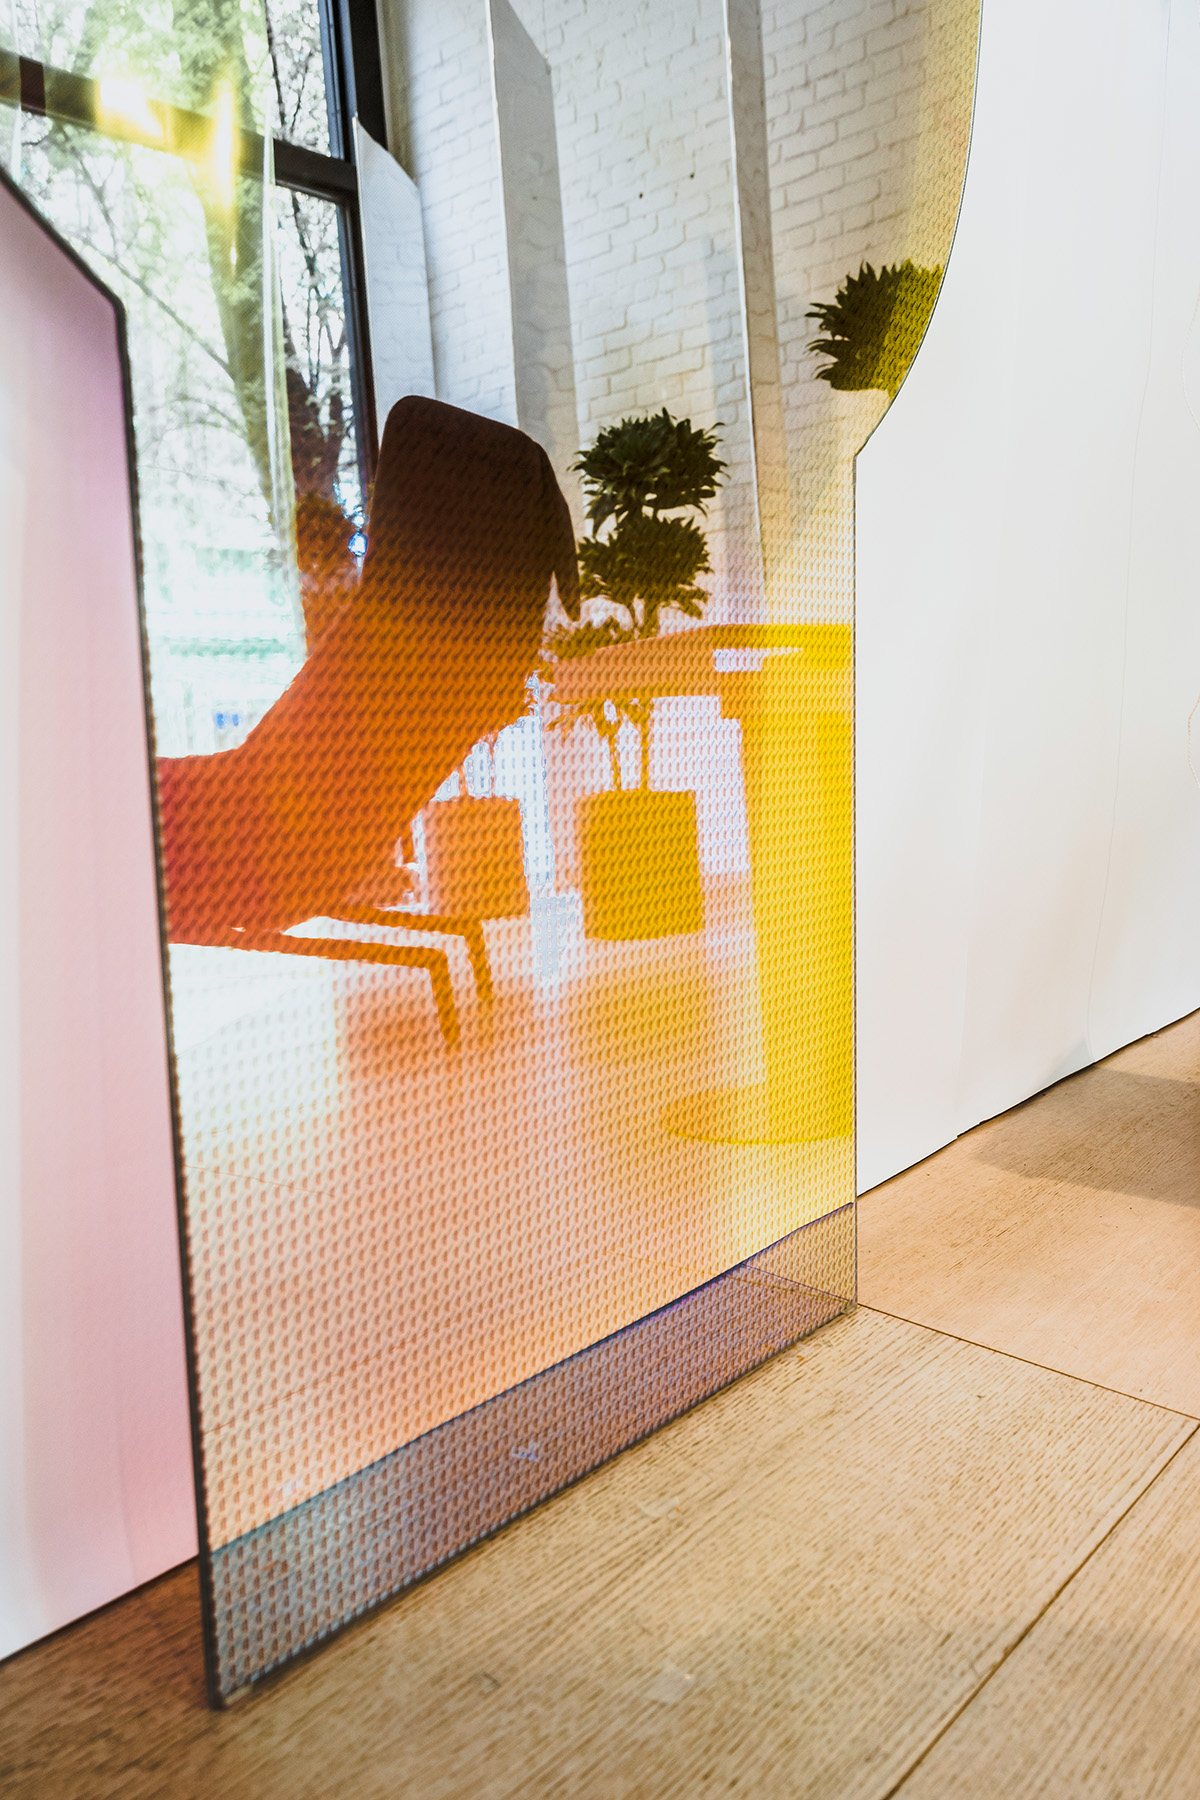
(648, 560)
(872, 329)
(645, 564)
(650, 465)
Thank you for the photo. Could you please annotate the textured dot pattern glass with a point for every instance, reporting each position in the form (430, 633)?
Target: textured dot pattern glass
(511, 916)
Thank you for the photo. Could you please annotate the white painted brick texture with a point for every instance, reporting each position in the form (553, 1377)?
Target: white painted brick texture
(856, 92)
(453, 155)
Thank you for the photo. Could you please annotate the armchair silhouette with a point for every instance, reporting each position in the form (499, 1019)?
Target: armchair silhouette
(430, 653)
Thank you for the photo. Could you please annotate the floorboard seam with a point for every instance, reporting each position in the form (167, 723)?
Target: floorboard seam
(1029, 1362)
(1053, 1599)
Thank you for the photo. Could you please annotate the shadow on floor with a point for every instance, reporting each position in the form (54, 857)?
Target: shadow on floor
(1108, 1129)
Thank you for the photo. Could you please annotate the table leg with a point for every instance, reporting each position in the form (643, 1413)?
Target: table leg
(798, 770)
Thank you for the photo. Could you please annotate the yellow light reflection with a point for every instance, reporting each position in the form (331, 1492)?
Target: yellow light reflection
(123, 101)
(222, 159)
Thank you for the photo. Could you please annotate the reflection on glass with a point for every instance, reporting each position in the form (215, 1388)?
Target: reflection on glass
(510, 911)
(298, 73)
(187, 259)
(174, 52)
(320, 404)
(236, 330)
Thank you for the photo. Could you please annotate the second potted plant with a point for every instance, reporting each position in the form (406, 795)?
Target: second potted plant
(475, 852)
(639, 847)
(873, 327)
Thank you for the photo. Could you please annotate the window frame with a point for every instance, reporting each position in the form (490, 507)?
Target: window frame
(351, 49)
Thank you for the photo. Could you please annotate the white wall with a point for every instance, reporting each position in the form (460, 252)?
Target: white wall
(867, 109)
(543, 357)
(473, 124)
(644, 170)
(1028, 554)
(447, 140)
(869, 112)
(95, 1457)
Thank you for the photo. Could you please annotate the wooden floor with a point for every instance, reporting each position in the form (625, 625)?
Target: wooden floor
(950, 1548)
(1066, 1231)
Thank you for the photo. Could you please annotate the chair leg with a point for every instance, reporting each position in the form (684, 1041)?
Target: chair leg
(472, 931)
(443, 995)
(400, 919)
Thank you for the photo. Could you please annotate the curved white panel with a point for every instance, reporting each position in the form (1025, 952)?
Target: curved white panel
(397, 283)
(1028, 558)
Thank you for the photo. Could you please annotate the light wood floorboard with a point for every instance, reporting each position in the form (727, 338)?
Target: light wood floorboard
(1099, 1701)
(896, 1562)
(1066, 1231)
(856, 1535)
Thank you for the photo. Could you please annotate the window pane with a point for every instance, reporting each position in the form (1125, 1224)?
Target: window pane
(298, 73)
(320, 403)
(181, 53)
(216, 580)
(199, 273)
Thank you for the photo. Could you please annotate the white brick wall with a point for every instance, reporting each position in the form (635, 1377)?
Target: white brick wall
(868, 109)
(645, 167)
(448, 143)
(544, 357)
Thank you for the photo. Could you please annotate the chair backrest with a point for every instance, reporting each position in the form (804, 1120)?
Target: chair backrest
(433, 651)
(467, 527)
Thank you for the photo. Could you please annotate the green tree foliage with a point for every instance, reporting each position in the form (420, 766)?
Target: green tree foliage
(212, 52)
(872, 329)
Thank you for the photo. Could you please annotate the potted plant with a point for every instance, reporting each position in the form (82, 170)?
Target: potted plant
(873, 327)
(475, 852)
(639, 848)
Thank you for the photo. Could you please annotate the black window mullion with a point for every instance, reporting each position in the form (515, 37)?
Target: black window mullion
(347, 62)
(74, 100)
(353, 59)
(337, 103)
(360, 35)
(362, 381)
(328, 177)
